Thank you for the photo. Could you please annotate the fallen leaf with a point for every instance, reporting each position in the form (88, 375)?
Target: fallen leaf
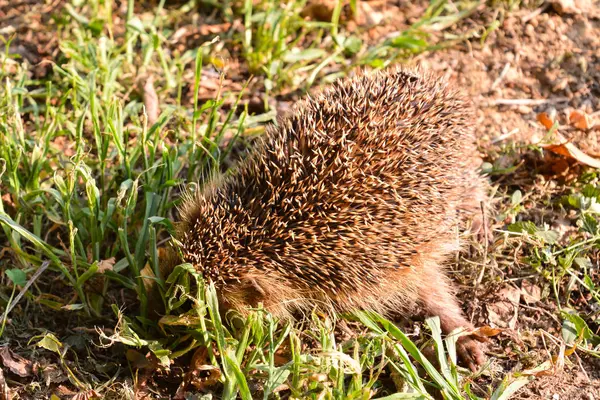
(15, 363)
(106, 265)
(201, 374)
(151, 101)
(149, 278)
(486, 331)
(504, 313)
(562, 146)
(568, 149)
(4, 389)
(215, 28)
(530, 293)
(283, 355)
(7, 200)
(53, 374)
(545, 120)
(579, 120)
(64, 391)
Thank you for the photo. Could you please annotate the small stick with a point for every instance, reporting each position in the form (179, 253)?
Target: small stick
(501, 76)
(505, 136)
(485, 251)
(534, 13)
(525, 102)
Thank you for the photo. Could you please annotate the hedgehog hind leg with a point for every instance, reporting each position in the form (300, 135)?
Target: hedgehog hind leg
(437, 299)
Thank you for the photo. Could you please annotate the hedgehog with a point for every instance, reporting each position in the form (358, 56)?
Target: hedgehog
(350, 202)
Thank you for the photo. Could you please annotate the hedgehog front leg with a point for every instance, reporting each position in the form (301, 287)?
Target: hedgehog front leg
(437, 298)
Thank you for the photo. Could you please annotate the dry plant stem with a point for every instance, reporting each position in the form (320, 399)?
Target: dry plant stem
(505, 136)
(524, 102)
(36, 275)
(485, 244)
(501, 76)
(535, 13)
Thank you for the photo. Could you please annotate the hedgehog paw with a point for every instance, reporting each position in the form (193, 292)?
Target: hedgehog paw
(471, 352)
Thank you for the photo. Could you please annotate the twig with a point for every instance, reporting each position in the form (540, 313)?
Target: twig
(534, 13)
(525, 102)
(581, 367)
(505, 136)
(501, 76)
(485, 240)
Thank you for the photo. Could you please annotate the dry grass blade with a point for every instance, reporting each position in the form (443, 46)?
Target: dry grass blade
(151, 101)
(37, 274)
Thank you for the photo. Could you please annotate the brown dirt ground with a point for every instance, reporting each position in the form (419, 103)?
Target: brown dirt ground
(552, 61)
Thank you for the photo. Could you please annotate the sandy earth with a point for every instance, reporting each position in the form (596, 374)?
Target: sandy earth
(535, 62)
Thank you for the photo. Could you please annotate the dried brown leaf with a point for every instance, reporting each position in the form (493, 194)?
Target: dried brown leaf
(486, 331)
(148, 278)
(504, 313)
(202, 374)
(15, 363)
(530, 293)
(563, 147)
(106, 265)
(579, 120)
(4, 389)
(214, 29)
(545, 120)
(53, 374)
(7, 200)
(568, 149)
(62, 390)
